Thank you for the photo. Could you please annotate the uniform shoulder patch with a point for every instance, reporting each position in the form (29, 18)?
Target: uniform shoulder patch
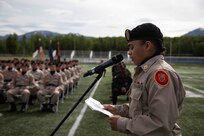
(161, 78)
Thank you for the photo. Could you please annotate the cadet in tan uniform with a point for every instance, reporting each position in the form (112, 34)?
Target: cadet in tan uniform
(73, 76)
(20, 85)
(38, 77)
(65, 85)
(156, 93)
(1, 81)
(2, 98)
(69, 76)
(76, 71)
(9, 73)
(18, 66)
(52, 81)
(64, 76)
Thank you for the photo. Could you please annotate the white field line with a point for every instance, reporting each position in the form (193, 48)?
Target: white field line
(190, 87)
(79, 118)
(190, 94)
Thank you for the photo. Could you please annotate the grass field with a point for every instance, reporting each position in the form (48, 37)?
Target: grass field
(35, 123)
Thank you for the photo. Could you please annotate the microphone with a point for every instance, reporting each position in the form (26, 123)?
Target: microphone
(100, 68)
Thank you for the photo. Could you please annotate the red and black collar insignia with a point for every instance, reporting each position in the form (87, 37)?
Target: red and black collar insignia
(161, 78)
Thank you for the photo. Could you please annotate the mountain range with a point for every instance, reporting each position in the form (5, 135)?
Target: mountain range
(44, 33)
(28, 35)
(196, 32)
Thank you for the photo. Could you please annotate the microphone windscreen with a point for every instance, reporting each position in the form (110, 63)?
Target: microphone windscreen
(117, 58)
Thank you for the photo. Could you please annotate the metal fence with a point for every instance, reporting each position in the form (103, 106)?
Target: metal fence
(98, 56)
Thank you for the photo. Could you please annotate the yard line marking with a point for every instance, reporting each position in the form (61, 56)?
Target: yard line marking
(79, 118)
(193, 95)
(190, 87)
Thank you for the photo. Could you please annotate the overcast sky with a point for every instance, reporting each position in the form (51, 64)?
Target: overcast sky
(100, 17)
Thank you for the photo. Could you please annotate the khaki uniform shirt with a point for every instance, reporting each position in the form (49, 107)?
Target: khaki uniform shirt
(1, 81)
(64, 77)
(69, 76)
(156, 97)
(26, 80)
(78, 69)
(72, 72)
(53, 80)
(9, 75)
(38, 75)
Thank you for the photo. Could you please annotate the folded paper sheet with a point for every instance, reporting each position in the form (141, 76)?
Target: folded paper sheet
(97, 106)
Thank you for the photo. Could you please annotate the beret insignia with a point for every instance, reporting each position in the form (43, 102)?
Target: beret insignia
(127, 34)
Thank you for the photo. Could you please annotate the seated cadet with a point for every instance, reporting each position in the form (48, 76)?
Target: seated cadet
(64, 77)
(18, 66)
(121, 81)
(38, 76)
(52, 81)
(76, 72)
(78, 67)
(20, 85)
(62, 87)
(69, 76)
(73, 75)
(3, 65)
(9, 73)
(41, 66)
(2, 99)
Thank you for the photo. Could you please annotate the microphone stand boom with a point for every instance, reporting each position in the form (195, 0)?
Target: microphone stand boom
(77, 103)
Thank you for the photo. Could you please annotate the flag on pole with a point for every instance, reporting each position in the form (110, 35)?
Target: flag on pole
(58, 52)
(35, 54)
(41, 53)
(50, 52)
(54, 53)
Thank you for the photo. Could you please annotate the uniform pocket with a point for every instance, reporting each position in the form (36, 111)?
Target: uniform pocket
(136, 93)
(135, 104)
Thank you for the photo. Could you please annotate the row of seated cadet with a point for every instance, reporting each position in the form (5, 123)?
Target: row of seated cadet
(46, 83)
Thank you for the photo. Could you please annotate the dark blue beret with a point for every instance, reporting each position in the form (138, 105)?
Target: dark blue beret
(146, 31)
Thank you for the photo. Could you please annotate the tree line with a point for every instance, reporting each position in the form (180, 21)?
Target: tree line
(177, 46)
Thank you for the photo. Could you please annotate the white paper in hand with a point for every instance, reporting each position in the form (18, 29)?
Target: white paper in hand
(97, 106)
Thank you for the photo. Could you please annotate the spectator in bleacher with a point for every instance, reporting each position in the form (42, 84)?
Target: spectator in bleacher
(121, 81)
(156, 94)
(52, 81)
(20, 85)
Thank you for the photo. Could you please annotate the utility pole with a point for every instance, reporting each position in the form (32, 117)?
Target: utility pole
(170, 50)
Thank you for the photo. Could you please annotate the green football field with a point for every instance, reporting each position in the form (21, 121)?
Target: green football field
(36, 123)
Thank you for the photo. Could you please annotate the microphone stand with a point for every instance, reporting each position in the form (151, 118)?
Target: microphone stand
(77, 103)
